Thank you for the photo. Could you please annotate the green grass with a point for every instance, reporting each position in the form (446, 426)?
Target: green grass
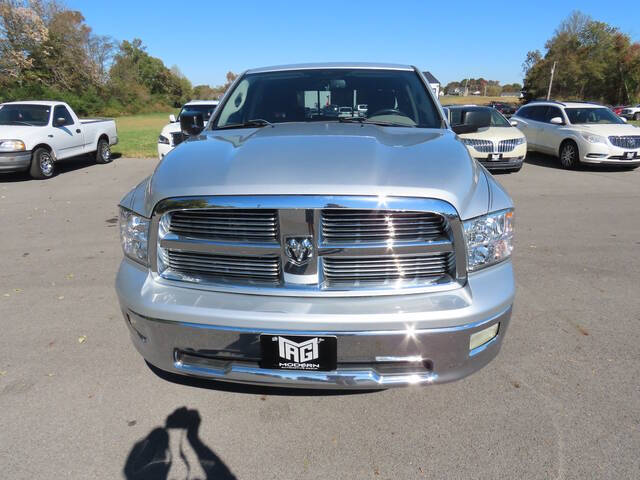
(138, 134)
(637, 124)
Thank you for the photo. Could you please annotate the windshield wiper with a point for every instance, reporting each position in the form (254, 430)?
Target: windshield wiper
(372, 122)
(255, 122)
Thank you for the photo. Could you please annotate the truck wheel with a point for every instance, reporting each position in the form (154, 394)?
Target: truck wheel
(636, 117)
(42, 164)
(103, 152)
(569, 158)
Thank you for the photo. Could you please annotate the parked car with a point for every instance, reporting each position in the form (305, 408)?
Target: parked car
(618, 110)
(345, 112)
(505, 109)
(579, 133)
(631, 113)
(361, 109)
(497, 144)
(171, 135)
(337, 253)
(35, 135)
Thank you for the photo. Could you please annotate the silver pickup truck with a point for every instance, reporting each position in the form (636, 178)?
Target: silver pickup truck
(277, 246)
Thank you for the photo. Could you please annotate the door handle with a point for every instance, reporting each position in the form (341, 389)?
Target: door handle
(78, 130)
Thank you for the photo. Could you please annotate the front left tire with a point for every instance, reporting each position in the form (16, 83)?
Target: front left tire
(569, 155)
(42, 164)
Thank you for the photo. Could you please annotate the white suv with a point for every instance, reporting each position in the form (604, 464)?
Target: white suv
(631, 113)
(579, 133)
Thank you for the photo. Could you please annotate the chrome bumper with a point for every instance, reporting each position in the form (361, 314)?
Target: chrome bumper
(394, 358)
(382, 341)
(14, 161)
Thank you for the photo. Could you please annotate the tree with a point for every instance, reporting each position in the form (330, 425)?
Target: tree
(595, 61)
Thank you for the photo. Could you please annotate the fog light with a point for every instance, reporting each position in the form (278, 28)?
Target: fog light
(483, 336)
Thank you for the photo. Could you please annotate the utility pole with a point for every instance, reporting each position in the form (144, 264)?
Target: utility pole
(553, 69)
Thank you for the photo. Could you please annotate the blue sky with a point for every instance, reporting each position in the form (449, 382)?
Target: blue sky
(451, 39)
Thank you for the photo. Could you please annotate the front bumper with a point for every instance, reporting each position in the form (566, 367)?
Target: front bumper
(15, 161)
(383, 341)
(505, 163)
(607, 154)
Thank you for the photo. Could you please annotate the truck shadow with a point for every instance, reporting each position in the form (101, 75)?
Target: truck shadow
(250, 389)
(175, 451)
(62, 167)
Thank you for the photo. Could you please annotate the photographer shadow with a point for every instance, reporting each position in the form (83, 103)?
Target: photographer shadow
(175, 451)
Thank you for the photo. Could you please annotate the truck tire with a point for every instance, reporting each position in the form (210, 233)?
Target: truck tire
(103, 152)
(42, 164)
(569, 155)
(636, 117)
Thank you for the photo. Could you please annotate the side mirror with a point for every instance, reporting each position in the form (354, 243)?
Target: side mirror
(514, 123)
(58, 122)
(557, 121)
(191, 123)
(172, 118)
(464, 128)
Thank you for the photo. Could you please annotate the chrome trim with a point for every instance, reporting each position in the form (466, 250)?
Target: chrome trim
(625, 141)
(300, 216)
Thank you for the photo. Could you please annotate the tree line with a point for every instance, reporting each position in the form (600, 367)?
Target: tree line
(594, 61)
(48, 52)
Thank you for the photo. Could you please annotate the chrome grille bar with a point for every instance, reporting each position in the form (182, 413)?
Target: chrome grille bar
(234, 225)
(509, 145)
(628, 141)
(259, 269)
(484, 146)
(340, 226)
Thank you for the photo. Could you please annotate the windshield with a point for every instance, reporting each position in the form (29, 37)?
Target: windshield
(205, 110)
(591, 115)
(393, 97)
(24, 114)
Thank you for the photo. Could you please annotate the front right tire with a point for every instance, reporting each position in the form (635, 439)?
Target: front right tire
(42, 164)
(569, 155)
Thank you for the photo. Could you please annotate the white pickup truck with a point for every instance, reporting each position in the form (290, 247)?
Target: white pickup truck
(34, 135)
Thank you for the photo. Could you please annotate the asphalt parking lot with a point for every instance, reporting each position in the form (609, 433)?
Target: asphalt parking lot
(562, 400)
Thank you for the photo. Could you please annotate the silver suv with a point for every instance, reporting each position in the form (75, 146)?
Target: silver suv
(579, 133)
(281, 246)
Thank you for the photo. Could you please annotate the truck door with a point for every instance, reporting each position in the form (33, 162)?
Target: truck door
(67, 138)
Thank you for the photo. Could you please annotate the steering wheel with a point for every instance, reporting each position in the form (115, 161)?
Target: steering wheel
(388, 111)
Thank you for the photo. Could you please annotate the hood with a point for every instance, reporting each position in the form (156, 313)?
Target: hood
(494, 133)
(323, 159)
(608, 129)
(19, 132)
(169, 128)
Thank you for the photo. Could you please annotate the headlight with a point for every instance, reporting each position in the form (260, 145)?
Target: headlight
(489, 239)
(592, 138)
(163, 139)
(134, 234)
(12, 146)
(519, 141)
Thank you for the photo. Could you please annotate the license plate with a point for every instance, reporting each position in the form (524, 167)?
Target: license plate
(629, 155)
(293, 352)
(495, 156)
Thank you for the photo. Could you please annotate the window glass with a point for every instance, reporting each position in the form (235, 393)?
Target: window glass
(538, 113)
(552, 112)
(592, 115)
(394, 96)
(25, 114)
(60, 111)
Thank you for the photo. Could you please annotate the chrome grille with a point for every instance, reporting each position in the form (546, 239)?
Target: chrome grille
(227, 224)
(485, 146)
(509, 145)
(226, 267)
(244, 244)
(340, 226)
(629, 141)
(387, 268)
(177, 138)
